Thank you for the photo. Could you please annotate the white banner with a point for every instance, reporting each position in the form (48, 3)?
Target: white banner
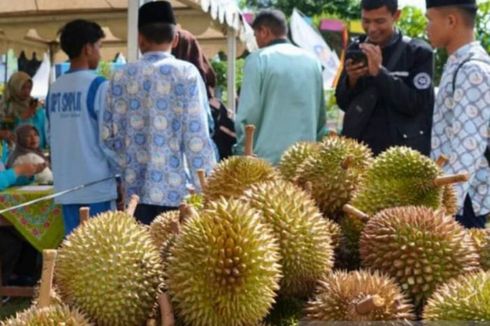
(41, 79)
(306, 37)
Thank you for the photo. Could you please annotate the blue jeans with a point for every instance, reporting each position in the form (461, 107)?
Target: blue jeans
(71, 213)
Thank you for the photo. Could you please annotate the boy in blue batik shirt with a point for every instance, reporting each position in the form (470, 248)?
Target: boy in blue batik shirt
(73, 107)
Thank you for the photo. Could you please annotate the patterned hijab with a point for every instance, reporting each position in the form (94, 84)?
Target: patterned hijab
(21, 146)
(13, 104)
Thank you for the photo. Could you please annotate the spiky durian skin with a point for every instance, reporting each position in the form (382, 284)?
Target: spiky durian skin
(419, 247)
(331, 184)
(340, 290)
(53, 315)
(304, 236)
(161, 227)
(481, 240)
(450, 200)
(195, 200)
(223, 266)
(465, 298)
(110, 269)
(236, 174)
(294, 156)
(400, 176)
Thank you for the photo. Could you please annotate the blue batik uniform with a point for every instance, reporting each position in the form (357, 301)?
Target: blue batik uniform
(156, 125)
(73, 109)
(461, 123)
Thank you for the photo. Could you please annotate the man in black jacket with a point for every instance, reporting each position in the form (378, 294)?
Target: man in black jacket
(386, 91)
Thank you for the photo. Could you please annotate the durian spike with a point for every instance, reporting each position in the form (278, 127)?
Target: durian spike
(347, 162)
(133, 202)
(249, 140)
(442, 161)
(356, 212)
(450, 179)
(185, 212)
(151, 322)
(166, 310)
(49, 257)
(201, 174)
(84, 214)
(308, 187)
(191, 190)
(369, 304)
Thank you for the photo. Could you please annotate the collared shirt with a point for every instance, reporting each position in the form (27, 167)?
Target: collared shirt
(156, 125)
(461, 123)
(282, 95)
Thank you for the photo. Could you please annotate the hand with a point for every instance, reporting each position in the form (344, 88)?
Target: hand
(374, 56)
(29, 169)
(355, 71)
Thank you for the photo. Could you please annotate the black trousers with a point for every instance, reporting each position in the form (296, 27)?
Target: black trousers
(146, 213)
(469, 220)
(17, 256)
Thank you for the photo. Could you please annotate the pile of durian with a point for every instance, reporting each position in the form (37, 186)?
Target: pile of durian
(331, 234)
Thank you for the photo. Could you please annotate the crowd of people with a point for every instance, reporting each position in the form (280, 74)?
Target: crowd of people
(152, 125)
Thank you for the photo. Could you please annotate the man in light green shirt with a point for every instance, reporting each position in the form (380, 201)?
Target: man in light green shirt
(282, 92)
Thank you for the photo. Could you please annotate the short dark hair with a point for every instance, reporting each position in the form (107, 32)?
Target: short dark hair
(467, 12)
(76, 34)
(274, 19)
(392, 5)
(158, 32)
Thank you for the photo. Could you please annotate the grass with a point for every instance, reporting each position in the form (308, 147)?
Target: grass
(13, 306)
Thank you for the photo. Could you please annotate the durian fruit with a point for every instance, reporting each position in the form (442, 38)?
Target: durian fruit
(162, 227)
(236, 174)
(334, 172)
(233, 176)
(294, 156)
(419, 247)
(449, 195)
(223, 266)
(358, 296)
(466, 298)
(110, 269)
(195, 200)
(304, 236)
(48, 316)
(398, 177)
(481, 241)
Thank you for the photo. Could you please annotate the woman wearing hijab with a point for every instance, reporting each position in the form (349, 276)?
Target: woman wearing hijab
(19, 107)
(27, 150)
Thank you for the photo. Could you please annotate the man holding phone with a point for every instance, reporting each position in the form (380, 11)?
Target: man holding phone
(386, 87)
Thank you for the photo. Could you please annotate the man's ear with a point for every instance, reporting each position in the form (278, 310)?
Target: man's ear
(175, 42)
(397, 15)
(87, 50)
(452, 19)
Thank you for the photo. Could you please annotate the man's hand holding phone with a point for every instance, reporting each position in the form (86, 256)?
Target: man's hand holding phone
(374, 57)
(355, 66)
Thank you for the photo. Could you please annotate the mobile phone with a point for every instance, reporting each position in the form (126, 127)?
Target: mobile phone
(357, 56)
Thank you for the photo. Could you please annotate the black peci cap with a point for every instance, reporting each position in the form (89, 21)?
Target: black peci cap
(156, 12)
(444, 3)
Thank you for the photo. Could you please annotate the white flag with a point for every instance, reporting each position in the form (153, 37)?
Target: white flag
(309, 39)
(41, 79)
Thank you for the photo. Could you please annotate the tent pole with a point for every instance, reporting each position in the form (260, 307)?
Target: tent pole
(132, 45)
(231, 75)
